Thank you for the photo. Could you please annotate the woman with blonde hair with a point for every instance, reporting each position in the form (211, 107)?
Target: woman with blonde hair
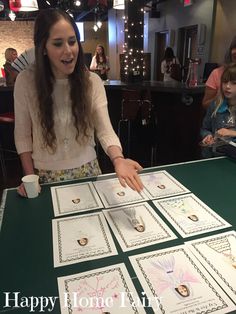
(10, 73)
(219, 121)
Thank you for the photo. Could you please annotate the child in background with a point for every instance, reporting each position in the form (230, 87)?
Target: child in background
(218, 126)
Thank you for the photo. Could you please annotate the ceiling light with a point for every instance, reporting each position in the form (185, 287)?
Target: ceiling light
(95, 27)
(99, 24)
(119, 4)
(77, 3)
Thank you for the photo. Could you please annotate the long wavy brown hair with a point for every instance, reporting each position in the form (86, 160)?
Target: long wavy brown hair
(104, 58)
(44, 80)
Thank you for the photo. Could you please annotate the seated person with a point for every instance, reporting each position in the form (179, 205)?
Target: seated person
(218, 126)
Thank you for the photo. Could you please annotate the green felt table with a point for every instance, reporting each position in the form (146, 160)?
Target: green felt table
(26, 252)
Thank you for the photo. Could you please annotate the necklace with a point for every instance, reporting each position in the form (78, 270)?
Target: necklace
(62, 114)
(222, 246)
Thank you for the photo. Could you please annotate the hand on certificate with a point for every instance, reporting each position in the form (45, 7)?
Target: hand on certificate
(127, 173)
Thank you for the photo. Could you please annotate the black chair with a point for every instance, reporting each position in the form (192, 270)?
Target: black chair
(137, 109)
(208, 68)
(7, 146)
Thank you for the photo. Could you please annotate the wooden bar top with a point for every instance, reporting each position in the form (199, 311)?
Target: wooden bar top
(169, 87)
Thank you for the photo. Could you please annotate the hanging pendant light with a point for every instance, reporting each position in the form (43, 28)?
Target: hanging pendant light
(23, 5)
(119, 4)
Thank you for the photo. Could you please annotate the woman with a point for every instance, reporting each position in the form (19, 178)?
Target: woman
(59, 105)
(169, 59)
(99, 63)
(11, 74)
(214, 80)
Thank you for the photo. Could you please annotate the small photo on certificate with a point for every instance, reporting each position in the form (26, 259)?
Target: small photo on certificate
(81, 238)
(179, 282)
(74, 198)
(114, 194)
(189, 215)
(107, 290)
(162, 184)
(218, 255)
(137, 226)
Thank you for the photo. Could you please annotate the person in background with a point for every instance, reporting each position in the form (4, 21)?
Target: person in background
(25, 59)
(100, 63)
(214, 80)
(10, 73)
(219, 121)
(59, 105)
(169, 59)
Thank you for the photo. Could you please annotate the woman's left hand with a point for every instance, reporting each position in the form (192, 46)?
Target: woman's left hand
(127, 173)
(225, 132)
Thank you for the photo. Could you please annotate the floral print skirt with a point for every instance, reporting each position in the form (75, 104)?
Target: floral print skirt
(87, 170)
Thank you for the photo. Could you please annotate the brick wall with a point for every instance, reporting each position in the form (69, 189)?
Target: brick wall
(17, 34)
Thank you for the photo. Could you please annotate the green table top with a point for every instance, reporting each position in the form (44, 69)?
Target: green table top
(26, 262)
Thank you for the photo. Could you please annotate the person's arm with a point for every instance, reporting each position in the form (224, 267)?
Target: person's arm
(163, 67)
(126, 169)
(93, 65)
(23, 126)
(206, 128)
(27, 163)
(209, 96)
(226, 132)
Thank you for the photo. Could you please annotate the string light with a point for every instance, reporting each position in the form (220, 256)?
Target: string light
(133, 62)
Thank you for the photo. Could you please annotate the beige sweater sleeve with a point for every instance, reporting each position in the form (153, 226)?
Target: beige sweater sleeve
(102, 124)
(23, 124)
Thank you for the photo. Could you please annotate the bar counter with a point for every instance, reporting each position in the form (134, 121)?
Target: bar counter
(178, 114)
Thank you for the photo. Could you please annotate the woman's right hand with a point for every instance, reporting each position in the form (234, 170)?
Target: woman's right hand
(21, 190)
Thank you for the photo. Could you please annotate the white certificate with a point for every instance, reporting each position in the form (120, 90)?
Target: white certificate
(218, 254)
(189, 215)
(81, 238)
(72, 198)
(114, 194)
(137, 226)
(176, 280)
(161, 184)
(103, 290)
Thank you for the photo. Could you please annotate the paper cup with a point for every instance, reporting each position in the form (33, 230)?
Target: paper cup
(31, 184)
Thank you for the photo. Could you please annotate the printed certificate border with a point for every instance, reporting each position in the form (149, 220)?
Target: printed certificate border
(58, 210)
(111, 249)
(182, 188)
(194, 243)
(136, 259)
(222, 222)
(123, 275)
(168, 237)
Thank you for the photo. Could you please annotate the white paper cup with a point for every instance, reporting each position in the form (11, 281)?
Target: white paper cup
(31, 184)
